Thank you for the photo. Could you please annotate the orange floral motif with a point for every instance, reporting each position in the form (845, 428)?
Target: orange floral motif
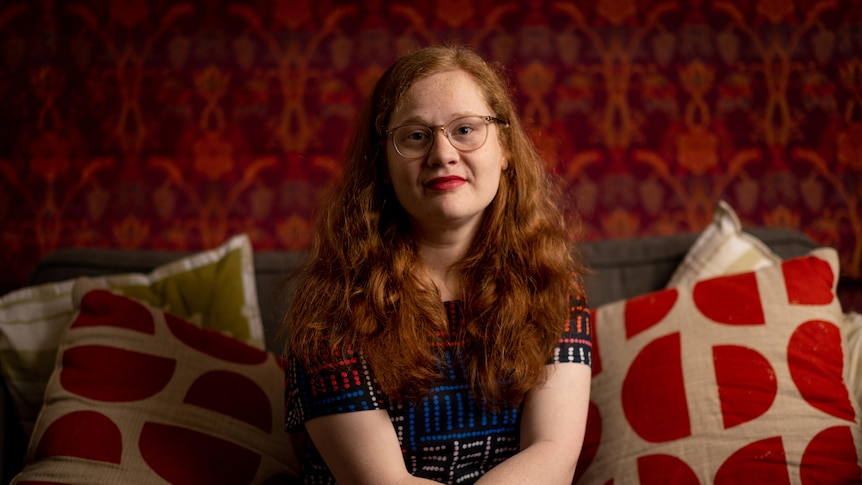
(131, 232)
(665, 226)
(620, 224)
(812, 191)
(775, 10)
(454, 13)
(747, 191)
(294, 232)
(850, 75)
(86, 236)
(165, 201)
(46, 83)
(849, 147)
(536, 80)
(659, 93)
(129, 13)
(782, 217)
(697, 78)
(212, 83)
(697, 150)
(292, 13)
(617, 11)
(735, 92)
(213, 156)
(261, 201)
(49, 156)
(728, 46)
(178, 50)
(98, 199)
(244, 50)
(827, 230)
(367, 78)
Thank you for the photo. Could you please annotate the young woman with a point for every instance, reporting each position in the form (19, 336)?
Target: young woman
(438, 333)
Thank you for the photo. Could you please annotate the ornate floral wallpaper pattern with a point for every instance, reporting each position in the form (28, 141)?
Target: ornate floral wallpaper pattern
(158, 124)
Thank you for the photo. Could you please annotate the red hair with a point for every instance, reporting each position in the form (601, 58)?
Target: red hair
(360, 290)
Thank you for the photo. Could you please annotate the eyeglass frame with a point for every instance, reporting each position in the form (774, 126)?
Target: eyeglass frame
(433, 130)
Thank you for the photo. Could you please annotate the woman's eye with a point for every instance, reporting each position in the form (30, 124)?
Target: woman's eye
(415, 136)
(463, 130)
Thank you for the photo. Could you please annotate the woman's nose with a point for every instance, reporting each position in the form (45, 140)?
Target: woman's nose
(442, 150)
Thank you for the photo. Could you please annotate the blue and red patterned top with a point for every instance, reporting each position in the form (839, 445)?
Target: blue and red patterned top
(447, 436)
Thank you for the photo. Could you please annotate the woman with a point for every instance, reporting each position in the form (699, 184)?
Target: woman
(438, 334)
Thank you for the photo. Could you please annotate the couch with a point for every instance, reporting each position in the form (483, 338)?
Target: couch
(698, 375)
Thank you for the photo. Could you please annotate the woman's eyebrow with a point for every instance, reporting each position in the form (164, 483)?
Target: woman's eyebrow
(419, 120)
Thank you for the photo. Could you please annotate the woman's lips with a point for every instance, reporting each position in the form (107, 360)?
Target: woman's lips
(445, 183)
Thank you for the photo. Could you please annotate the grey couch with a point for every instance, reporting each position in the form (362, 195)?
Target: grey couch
(618, 269)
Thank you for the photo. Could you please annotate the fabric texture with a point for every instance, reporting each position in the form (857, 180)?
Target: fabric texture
(162, 123)
(214, 288)
(722, 248)
(447, 437)
(852, 327)
(738, 378)
(139, 395)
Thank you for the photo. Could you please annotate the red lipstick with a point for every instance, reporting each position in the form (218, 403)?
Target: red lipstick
(448, 182)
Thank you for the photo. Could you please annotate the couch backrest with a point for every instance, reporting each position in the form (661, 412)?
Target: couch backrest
(619, 268)
(629, 267)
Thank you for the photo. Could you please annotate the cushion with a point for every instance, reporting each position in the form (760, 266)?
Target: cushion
(735, 379)
(214, 287)
(853, 339)
(139, 395)
(722, 248)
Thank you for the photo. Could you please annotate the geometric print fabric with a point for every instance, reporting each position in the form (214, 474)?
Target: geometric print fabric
(447, 436)
(139, 395)
(735, 379)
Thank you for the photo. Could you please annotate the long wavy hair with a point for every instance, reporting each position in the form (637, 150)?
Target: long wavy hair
(360, 289)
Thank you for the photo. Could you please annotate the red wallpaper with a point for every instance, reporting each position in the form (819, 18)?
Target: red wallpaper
(159, 124)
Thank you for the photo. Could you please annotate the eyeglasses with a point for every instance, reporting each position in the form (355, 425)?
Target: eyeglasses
(465, 134)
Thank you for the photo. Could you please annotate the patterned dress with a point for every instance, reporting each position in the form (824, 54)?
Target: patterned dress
(447, 436)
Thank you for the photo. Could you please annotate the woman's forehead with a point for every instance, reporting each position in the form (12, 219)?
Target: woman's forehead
(440, 97)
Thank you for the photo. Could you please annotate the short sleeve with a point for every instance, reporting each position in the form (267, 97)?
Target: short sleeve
(326, 387)
(576, 342)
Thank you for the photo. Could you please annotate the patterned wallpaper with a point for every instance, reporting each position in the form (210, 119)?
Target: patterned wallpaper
(161, 124)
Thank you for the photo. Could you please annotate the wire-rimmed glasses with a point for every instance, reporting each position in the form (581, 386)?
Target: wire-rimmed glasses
(466, 134)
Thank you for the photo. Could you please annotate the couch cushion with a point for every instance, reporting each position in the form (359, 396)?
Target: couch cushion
(140, 396)
(739, 378)
(215, 288)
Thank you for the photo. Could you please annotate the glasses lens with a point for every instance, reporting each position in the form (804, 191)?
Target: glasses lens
(412, 141)
(468, 133)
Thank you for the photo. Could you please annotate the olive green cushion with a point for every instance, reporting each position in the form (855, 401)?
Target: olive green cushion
(214, 289)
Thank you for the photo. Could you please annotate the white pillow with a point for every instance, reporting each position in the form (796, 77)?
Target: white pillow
(722, 249)
(852, 331)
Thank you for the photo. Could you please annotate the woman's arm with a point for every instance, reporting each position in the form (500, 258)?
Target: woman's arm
(552, 430)
(361, 448)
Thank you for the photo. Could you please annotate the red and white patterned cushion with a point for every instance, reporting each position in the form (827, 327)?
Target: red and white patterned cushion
(736, 379)
(141, 396)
